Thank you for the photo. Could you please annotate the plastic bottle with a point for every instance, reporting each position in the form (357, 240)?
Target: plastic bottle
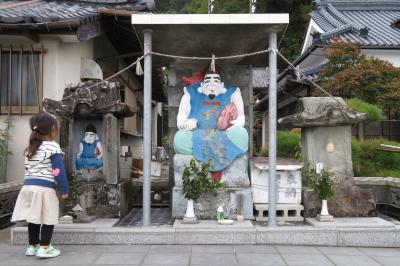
(220, 213)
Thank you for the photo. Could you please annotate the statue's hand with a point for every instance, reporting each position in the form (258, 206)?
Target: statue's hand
(235, 123)
(190, 124)
(240, 121)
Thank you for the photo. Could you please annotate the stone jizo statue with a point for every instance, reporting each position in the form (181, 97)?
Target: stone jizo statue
(90, 155)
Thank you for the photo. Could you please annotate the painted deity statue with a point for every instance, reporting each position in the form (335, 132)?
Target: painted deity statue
(211, 123)
(90, 155)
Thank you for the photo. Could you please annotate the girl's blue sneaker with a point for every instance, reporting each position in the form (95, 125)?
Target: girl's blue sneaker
(31, 250)
(49, 252)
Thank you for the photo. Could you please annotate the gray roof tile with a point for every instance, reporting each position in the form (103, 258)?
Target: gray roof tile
(345, 19)
(59, 10)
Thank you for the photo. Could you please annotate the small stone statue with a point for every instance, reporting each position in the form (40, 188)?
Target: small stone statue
(90, 155)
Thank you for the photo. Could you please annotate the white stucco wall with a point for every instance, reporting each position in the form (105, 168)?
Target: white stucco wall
(61, 66)
(390, 55)
(318, 57)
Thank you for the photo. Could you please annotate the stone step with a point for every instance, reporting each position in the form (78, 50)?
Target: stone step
(284, 212)
(256, 234)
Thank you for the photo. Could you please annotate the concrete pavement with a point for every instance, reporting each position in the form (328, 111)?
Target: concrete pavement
(201, 255)
(224, 255)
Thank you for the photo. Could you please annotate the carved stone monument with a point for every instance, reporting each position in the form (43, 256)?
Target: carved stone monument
(88, 108)
(211, 127)
(326, 139)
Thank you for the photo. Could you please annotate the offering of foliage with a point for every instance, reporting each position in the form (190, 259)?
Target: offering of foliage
(196, 181)
(74, 190)
(350, 74)
(323, 183)
(373, 112)
(288, 145)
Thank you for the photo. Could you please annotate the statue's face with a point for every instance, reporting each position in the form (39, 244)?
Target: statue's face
(90, 137)
(212, 85)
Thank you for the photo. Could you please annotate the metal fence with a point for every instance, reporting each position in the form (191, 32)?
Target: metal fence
(388, 129)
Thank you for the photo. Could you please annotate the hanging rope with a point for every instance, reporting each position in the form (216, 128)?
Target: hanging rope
(210, 58)
(112, 76)
(139, 70)
(212, 65)
(309, 80)
(213, 58)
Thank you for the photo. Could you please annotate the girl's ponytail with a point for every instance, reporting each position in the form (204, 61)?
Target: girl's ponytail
(41, 125)
(35, 140)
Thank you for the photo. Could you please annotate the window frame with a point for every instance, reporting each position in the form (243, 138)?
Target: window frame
(37, 74)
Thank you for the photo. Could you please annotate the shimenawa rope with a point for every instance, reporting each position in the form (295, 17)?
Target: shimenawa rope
(213, 58)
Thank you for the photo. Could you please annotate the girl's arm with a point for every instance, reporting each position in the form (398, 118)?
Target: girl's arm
(57, 163)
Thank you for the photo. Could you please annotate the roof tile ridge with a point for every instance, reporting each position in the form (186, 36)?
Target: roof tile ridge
(339, 30)
(332, 20)
(338, 15)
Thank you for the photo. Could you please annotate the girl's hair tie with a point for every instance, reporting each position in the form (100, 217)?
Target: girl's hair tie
(35, 129)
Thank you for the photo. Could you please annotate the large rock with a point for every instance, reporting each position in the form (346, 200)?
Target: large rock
(348, 200)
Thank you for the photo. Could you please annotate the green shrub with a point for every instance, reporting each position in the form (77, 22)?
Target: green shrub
(288, 145)
(373, 112)
(196, 181)
(369, 161)
(323, 184)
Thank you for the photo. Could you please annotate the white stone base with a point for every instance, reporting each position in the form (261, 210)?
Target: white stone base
(284, 212)
(352, 222)
(325, 218)
(189, 220)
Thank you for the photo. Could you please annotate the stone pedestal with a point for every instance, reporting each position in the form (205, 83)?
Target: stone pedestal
(107, 200)
(236, 198)
(325, 218)
(111, 147)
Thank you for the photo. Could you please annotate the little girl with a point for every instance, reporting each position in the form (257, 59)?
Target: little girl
(37, 201)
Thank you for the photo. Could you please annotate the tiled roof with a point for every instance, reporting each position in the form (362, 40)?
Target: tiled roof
(368, 22)
(36, 11)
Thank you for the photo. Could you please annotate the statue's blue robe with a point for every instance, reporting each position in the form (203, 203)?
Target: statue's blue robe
(209, 143)
(88, 159)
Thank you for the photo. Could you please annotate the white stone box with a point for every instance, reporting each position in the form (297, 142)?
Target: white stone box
(288, 180)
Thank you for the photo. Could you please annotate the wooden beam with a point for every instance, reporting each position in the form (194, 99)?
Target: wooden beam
(117, 13)
(31, 36)
(88, 31)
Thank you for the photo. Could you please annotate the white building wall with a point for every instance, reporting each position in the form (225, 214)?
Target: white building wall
(390, 55)
(61, 65)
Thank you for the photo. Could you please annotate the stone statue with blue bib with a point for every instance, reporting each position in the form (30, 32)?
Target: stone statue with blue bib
(90, 155)
(211, 123)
